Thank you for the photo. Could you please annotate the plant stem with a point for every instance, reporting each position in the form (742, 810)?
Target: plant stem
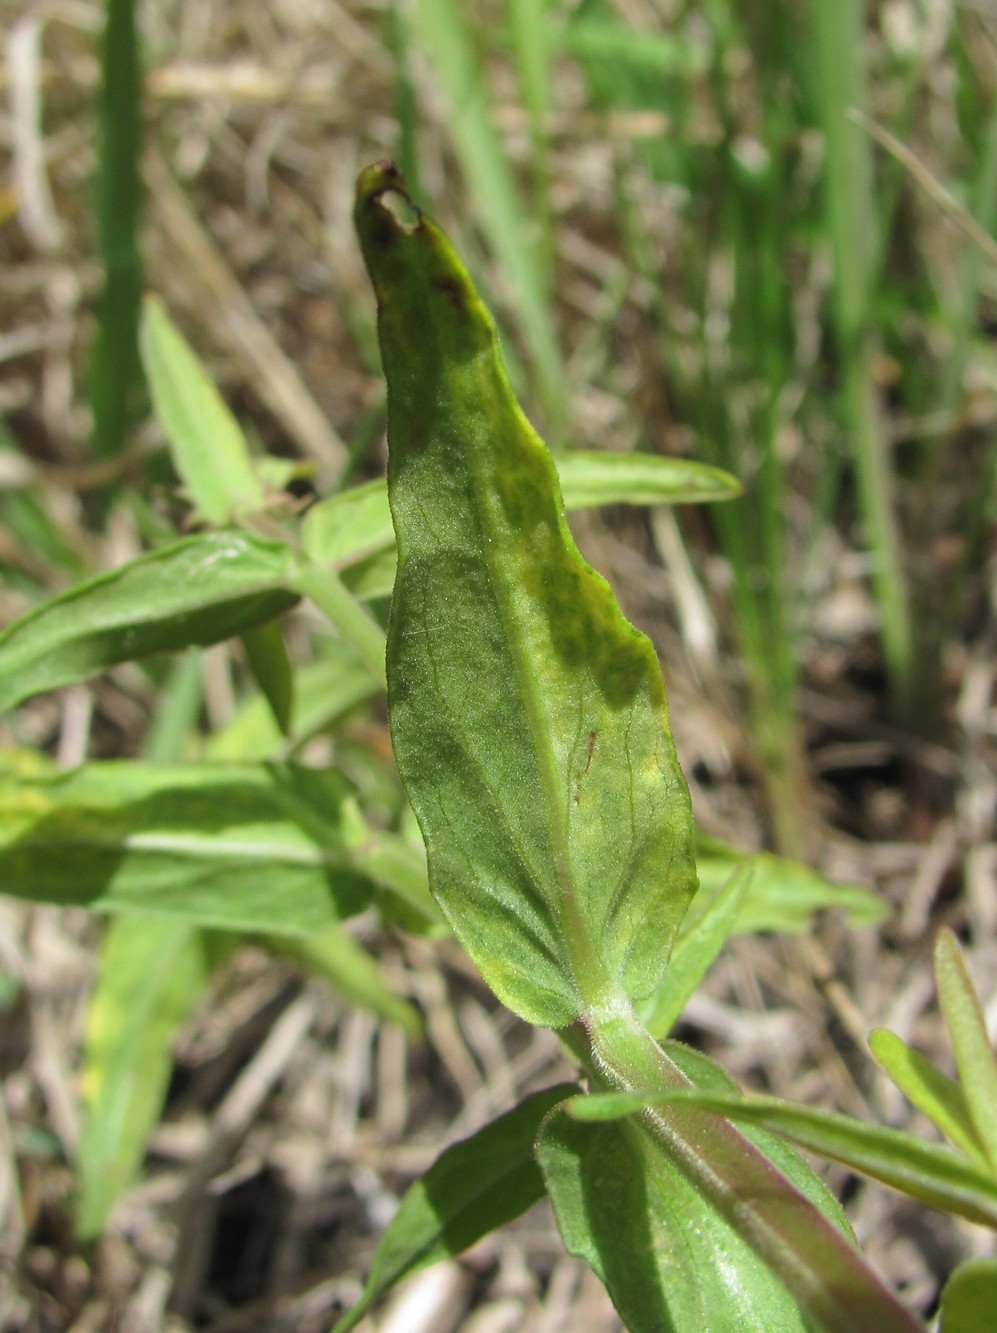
(816, 1261)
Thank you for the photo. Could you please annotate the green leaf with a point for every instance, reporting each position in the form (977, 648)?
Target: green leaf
(240, 846)
(590, 477)
(349, 969)
(782, 896)
(974, 1055)
(325, 691)
(529, 718)
(151, 972)
(670, 1261)
(115, 373)
(199, 591)
(925, 1171)
(266, 653)
(694, 953)
(928, 1089)
(473, 1187)
(349, 526)
(969, 1298)
(355, 524)
(207, 444)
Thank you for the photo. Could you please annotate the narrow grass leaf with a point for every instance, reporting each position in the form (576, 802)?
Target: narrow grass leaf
(927, 1088)
(969, 1298)
(201, 590)
(974, 1055)
(207, 444)
(115, 371)
(473, 1187)
(151, 972)
(529, 719)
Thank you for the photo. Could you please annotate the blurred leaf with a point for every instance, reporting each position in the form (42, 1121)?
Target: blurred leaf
(199, 591)
(590, 477)
(349, 969)
(240, 846)
(528, 717)
(208, 447)
(115, 372)
(325, 691)
(151, 973)
(473, 1187)
(782, 895)
(696, 949)
(974, 1055)
(969, 1298)
(266, 653)
(929, 1090)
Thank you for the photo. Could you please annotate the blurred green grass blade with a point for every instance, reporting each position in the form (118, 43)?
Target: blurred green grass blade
(150, 975)
(694, 953)
(333, 955)
(925, 1171)
(115, 371)
(266, 653)
(929, 1090)
(472, 1188)
(206, 442)
(529, 29)
(444, 30)
(398, 39)
(839, 53)
(974, 1054)
(969, 1298)
(199, 591)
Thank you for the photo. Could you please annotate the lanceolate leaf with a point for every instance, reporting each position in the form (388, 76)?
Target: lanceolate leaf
(473, 1187)
(151, 972)
(199, 591)
(241, 846)
(543, 774)
(938, 1096)
(208, 447)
